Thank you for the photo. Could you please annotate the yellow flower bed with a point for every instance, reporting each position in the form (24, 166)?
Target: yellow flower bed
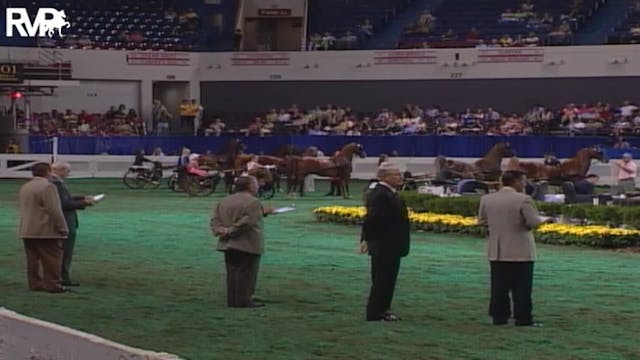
(589, 230)
(358, 212)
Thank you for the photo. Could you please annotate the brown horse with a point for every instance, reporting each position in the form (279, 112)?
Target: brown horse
(338, 167)
(488, 168)
(576, 167)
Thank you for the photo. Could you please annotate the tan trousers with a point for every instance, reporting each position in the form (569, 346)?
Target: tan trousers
(45, 254)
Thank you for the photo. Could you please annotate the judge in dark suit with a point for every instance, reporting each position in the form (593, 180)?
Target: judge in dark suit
(237, 221)
(70, 205)
(386, 234)
(511, 217)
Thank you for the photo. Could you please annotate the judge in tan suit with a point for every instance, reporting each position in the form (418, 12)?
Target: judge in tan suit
(510, 216)
(43, 229)
(237, 221)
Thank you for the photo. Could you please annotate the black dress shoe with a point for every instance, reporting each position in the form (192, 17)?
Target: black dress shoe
(70, 283)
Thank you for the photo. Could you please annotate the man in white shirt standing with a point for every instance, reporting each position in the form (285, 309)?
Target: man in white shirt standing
(627, 172)
(198, 110)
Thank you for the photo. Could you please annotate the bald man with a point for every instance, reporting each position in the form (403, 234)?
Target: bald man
(386, 232)
(70, 204)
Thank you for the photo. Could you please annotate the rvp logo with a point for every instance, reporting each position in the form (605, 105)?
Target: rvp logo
(47, 21)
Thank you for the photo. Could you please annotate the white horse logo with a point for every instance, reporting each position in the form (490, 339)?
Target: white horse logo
(58, 22)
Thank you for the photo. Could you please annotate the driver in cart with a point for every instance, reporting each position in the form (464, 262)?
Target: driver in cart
(155, 172)
(193, 167)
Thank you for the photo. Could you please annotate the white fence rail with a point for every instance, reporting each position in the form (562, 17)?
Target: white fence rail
(23, 337)
(110, 166)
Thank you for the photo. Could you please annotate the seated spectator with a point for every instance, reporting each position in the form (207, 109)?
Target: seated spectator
(527, 6)
(85, 42)
(449, 36)
(13, 147)
(157, 152)
(84, 128)
(627, 109)
(215, 128)
(506, 41)
(531, 40)
(348, 41)
(315, 41)
(170, 15)
(473, 34)
(327, 42)
(71, 41)
(255, 128)
(136, 37)
(366, 27)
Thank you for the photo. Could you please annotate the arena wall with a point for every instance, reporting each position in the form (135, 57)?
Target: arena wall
(443, 76)
(513, 95)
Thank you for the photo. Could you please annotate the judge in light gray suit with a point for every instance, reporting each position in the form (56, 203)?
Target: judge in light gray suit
(510, 216)
(70, 204)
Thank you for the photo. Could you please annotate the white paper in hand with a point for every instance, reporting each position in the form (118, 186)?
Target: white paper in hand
(98, 197)
(283, 210)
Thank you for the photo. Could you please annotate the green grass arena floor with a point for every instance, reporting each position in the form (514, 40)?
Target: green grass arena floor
(150, 278)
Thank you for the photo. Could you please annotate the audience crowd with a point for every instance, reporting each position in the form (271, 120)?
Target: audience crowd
(527, 25)
(572, 119)
(116, 121)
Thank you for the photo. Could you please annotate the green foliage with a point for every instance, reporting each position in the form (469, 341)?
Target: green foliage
(587, 213)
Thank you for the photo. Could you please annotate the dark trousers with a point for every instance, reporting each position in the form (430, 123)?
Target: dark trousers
(384, 272)
(517, 278)
(242, 273)
(186, 122)
(67, 255)
(45, 253)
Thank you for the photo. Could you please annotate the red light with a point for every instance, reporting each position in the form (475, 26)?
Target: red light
(15, 95)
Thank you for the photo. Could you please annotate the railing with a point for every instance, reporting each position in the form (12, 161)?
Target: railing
(114, 166)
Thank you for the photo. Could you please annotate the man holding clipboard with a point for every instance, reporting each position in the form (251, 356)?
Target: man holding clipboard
(70, 205)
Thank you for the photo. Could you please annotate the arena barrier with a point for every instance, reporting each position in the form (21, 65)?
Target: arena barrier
(23, 337)
(114, 166)
(417, 146)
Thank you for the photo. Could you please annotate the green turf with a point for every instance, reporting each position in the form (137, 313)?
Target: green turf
(150, 278)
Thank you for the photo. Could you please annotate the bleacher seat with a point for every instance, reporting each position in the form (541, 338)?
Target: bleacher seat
(104, 21)
(455, 19)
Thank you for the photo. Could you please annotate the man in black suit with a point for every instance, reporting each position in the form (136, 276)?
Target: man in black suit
(386, 236)
(69, 206)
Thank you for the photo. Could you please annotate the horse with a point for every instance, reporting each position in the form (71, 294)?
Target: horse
(488, 168)
(568, 170)
(338, 167)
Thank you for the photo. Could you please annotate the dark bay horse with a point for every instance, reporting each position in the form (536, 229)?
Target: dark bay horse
(338, 167)
(489, 168)
(571, 169)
